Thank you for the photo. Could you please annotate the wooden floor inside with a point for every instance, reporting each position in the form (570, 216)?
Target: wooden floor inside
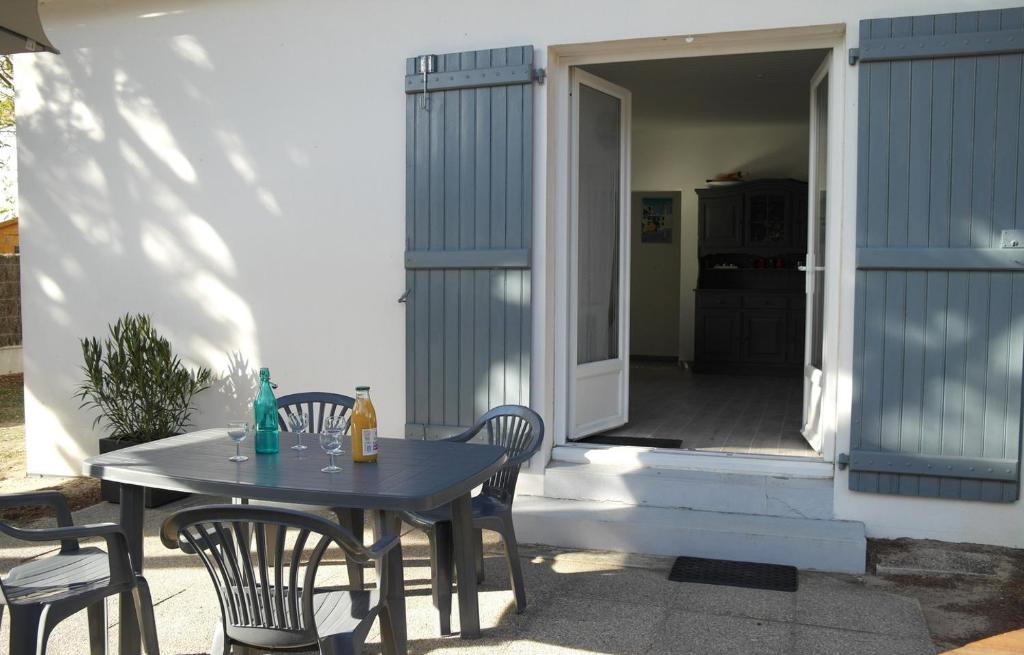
(723, 413)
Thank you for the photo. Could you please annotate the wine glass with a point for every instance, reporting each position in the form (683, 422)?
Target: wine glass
(297, 423)
(238, 431)
(330, 441)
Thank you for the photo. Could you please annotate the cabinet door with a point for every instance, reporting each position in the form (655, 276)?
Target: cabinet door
(764, 337)
(720, 222)
(718, 335)
(767, 220)
(795, 340)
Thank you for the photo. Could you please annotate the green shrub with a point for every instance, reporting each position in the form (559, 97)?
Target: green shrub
(141, 389)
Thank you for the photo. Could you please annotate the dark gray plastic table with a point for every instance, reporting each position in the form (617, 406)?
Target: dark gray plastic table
(410, 475)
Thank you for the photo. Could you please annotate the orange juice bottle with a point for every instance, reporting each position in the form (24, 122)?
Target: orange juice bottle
(364, 428)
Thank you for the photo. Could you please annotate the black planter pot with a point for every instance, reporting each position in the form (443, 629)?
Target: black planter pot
(111, 491)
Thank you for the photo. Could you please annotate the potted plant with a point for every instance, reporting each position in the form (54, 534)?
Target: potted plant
(141, 390)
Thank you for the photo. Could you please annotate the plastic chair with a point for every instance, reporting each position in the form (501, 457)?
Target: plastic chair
(44, 591)
(520, 430)
(267, 602)
(319, 405)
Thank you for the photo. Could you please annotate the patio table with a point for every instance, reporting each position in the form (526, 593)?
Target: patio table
(409, 475)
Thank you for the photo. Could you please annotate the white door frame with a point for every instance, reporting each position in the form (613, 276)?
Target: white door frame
(613, 370)
(558, 142)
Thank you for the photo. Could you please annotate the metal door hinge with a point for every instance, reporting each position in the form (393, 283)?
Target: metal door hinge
(539, 75)
(842, 461)
(854, 55)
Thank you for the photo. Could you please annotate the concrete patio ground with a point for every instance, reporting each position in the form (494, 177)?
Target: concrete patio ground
(579, 602)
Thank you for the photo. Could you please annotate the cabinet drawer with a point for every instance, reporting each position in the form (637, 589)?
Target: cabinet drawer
(754, 301)
(705, 299)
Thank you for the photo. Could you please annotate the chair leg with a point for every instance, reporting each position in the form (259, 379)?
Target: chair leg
(479, 545)
(24, 638)
(144, 612)
(98, 628)
(441, 574)
(220, 642)
(515, 565)
(339, 645)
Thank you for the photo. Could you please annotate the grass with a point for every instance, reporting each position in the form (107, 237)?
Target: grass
(80, 492)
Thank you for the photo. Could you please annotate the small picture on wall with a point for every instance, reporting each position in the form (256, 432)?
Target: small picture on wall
(656, 220)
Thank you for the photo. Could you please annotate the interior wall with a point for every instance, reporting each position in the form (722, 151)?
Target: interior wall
(654, 285)
(680, 156)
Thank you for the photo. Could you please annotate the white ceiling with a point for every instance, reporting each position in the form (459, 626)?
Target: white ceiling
(771, 86)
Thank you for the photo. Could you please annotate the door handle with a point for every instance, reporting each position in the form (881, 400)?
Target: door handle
(405, 296)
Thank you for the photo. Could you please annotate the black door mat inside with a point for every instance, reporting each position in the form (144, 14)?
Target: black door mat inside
(612, 440)
(751, 575)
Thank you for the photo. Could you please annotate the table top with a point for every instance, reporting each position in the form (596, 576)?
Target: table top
(409, 474)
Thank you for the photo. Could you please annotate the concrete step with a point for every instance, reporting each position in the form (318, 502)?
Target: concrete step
(823, 545)
(743, 493)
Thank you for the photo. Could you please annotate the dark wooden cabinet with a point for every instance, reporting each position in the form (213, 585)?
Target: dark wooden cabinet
(750, 307)
(760, 217)
(766, 219)
(718, 335)
(721, 224)
(749, 331)
(764, 337)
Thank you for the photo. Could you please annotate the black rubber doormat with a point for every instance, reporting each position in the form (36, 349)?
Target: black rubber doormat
(612, 440)
(751, 575)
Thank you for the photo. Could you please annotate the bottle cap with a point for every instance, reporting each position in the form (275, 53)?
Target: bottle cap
(363, 388)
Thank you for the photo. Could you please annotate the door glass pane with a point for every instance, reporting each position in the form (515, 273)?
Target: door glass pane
(820, 216)
(598, 205)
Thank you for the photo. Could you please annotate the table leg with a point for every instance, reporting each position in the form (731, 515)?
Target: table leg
(352, 520)
(391, 523)
(465, 566)
(132, 506)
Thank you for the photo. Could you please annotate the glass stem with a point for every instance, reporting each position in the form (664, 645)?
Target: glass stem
(332, 460)
(238, 449)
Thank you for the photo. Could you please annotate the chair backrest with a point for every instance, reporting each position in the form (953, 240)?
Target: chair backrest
(266, 599)
(317, 405)
(520, 431)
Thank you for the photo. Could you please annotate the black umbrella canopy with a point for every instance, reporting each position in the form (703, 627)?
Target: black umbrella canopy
(20, 28)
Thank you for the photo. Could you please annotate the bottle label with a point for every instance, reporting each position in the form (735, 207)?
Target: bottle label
(369, 441)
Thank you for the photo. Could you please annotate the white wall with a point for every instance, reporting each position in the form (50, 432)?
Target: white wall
(207, 161)
(682, 156)
(653, 284)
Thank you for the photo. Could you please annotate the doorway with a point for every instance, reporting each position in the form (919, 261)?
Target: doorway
(698, 226)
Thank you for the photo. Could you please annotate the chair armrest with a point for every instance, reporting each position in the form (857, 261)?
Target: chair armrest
(467, 434)
(383, 546)
(121, 569)
(52, 499)
(105, 530)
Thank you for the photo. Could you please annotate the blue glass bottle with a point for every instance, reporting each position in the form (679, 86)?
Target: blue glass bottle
(265, 413)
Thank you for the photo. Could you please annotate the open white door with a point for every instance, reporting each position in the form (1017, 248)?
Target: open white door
(599, 256)
(815, 262)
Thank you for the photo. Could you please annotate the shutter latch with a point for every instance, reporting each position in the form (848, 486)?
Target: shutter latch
(842, 461)
(539, 75)
(425, 64)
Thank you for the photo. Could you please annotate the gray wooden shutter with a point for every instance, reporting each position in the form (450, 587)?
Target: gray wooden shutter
(469, 222)
(939, 316)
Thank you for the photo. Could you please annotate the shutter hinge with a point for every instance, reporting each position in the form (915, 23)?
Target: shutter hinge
(854, 55)
(842, 461)
(539, 75)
